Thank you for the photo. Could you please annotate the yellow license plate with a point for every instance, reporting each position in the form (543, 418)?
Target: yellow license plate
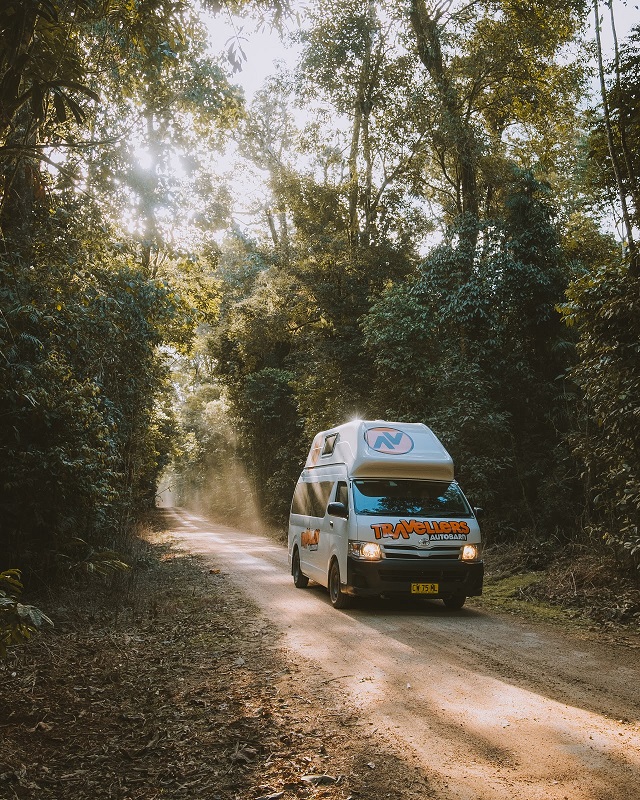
(424, 588)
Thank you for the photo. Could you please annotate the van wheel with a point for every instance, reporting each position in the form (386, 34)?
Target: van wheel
(339, 599)
(454, 602)
(300, 581)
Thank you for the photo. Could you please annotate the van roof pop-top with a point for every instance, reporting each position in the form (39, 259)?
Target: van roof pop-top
(382, 449)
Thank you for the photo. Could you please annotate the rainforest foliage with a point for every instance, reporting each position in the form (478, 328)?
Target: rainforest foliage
(93, 291)
(434, 239)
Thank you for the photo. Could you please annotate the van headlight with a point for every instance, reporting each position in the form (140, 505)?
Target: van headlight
(470, 552)
(367, 551)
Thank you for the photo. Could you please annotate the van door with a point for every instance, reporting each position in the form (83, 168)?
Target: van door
(315, 539)
(339, 531)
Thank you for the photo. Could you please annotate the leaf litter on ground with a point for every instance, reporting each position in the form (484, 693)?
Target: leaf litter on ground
(165, 682)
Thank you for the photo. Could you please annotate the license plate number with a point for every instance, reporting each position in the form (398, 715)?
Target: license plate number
(424, 588)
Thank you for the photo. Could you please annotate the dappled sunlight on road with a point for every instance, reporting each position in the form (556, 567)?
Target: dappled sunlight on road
(481, 731)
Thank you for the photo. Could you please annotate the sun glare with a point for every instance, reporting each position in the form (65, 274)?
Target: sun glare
(143, 158)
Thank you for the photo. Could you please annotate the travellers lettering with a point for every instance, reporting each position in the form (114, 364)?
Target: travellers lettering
(436, 531)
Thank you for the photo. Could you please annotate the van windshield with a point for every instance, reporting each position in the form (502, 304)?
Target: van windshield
(409, 497)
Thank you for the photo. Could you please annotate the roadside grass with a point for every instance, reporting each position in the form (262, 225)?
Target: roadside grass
(581, 590)
(512, 594)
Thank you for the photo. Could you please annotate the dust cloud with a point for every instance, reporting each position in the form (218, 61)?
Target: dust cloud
(222, 492)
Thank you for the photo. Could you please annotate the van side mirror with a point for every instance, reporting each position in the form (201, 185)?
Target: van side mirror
(337, 510)
(478, 512)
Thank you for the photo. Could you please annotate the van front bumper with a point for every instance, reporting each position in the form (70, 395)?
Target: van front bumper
(395, 576)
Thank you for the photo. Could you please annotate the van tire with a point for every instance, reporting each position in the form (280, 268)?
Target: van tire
(339, 599)
(455, 602)
(300, 581)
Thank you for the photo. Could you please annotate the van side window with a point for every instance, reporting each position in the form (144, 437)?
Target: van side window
(329, 444)
(298, 504)
(342, 494)
(311, 499)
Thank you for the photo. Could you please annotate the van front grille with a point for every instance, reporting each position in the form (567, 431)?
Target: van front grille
(408, 552)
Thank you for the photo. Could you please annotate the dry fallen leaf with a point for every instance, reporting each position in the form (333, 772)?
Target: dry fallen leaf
(319, 780)
(40, 726)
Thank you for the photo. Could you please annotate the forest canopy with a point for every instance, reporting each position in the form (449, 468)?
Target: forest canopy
(432, 216)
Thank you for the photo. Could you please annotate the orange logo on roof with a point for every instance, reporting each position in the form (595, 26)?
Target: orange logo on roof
(389, 440)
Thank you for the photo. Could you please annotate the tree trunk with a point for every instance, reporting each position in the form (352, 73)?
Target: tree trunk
(634, 264)
(20, 180)
(22, 186)
(354, 178)
(18, 38)
(149, 195)
(461, 139)
(633, 182)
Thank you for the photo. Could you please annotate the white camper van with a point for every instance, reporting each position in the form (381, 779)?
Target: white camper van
(377, 512)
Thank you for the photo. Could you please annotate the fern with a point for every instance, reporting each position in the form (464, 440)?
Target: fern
(18, 622)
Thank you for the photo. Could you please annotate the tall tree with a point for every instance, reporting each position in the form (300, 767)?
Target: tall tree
(494, 74)
(86, 306)
(603, 307)
(498, 402)
(614, 147)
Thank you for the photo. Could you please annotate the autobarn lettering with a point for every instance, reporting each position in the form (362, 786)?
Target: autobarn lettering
(436, 531)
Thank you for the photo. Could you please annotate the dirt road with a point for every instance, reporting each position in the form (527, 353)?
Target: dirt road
(489, 707)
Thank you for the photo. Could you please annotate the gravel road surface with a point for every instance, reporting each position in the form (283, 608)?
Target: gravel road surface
(489, 706)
